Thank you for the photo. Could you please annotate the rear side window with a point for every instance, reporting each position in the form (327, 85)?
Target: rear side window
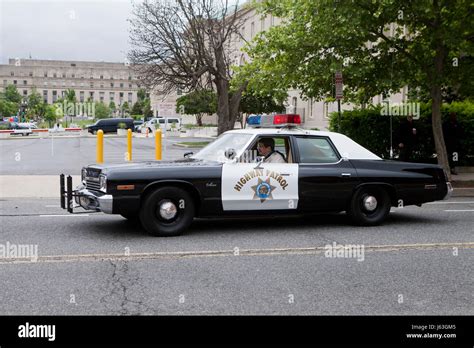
(316, 150)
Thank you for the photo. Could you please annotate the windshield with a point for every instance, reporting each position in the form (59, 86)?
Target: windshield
(215, 151)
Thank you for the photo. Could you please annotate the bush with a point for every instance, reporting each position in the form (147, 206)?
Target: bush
(372, 130)
(122, 125)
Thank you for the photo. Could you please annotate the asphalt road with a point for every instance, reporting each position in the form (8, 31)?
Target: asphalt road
(419, 262)
(53, 155)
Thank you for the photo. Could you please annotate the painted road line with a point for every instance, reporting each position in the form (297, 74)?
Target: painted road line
(228, 253)
(460, 210)
(62, 215)
(450, 203)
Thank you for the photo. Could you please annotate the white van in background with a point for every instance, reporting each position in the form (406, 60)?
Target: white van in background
(165, 123)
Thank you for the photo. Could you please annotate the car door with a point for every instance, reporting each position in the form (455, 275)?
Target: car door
(251, 186)
(326, 180)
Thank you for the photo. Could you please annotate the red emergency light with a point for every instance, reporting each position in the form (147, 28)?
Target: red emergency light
(286, 119)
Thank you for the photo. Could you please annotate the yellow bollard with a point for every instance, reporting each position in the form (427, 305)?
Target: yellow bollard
(129, 145)
(100, 146)
(158, 145)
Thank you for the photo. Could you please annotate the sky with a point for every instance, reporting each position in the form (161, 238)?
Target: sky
(90, 30)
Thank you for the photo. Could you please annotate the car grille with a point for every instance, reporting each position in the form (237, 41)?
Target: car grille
(92, 185)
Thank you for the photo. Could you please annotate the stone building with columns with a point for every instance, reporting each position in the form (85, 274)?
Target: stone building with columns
(92, 81)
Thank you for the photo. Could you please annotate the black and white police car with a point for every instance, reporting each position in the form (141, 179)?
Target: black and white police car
(321, 172)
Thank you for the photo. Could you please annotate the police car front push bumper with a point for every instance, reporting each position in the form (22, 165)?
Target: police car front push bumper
(91, 201)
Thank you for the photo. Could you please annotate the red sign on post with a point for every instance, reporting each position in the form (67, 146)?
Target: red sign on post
(338, 80)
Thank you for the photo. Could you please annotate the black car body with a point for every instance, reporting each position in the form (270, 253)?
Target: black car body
(110, 125)
(324, 172)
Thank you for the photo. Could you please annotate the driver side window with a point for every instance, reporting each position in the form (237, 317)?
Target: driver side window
(281, 145)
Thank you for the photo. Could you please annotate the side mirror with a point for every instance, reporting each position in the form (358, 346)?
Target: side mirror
(188, 154)
(259, 159)
(230, 153)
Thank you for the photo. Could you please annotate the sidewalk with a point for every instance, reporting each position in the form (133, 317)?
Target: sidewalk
(47, 186)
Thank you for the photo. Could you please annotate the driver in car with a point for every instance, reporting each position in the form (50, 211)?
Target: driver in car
(266, 148)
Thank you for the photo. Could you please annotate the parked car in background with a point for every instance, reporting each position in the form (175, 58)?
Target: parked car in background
(110, 125)
(137, 124)
(16, 128)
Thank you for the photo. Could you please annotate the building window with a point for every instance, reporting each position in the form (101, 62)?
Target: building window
(101, 77)
(121, 85)
(31, 74)
(111, 78)
(129, 77)
(92, 84)
(45, 95)
(73, 64)
(73, 75)
(25, 92)
(45, 83)
(24, 82)
(112, 84)
(45, 74)
(81, 96)
(55, 75)
(101, 96)
(54, 83)
(130, 95)
(129, 85)
(82, 84)
(12, 73)
(91, 95)
(14, 82)
(55, 96)
(111, 96)
(101, 85)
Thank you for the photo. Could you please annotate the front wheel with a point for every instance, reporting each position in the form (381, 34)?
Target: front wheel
(369, 206)
(167, 211)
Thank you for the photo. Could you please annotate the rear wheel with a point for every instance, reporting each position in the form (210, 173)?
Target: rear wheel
(167, 211)
(369, 206)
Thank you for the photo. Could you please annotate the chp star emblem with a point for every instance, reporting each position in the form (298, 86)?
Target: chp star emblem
(263, 190)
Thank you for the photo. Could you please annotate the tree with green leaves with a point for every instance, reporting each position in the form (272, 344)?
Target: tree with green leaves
(50, 114)
(380, 46)
(112, 107)
(197, 103)
(11, 94)
(101, 110)
(70, 96)
(147, 111)
(34, 101)
(137, 108)
(254, 103)
(8, 108)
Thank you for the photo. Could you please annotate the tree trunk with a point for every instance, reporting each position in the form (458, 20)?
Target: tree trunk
(199, 120)
(223, 110)
(438, 129)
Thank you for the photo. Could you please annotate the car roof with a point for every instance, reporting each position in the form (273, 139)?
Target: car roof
(347, 147)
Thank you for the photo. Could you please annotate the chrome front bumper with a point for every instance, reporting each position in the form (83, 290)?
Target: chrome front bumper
(89, 200)
(450, 190)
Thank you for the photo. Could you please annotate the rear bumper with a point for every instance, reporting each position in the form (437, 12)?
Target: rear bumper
(87, 199)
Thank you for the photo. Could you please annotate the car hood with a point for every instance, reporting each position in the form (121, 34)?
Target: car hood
(146, 165)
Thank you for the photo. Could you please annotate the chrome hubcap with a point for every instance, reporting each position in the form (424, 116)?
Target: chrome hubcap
(168, 210)
(370, 203)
